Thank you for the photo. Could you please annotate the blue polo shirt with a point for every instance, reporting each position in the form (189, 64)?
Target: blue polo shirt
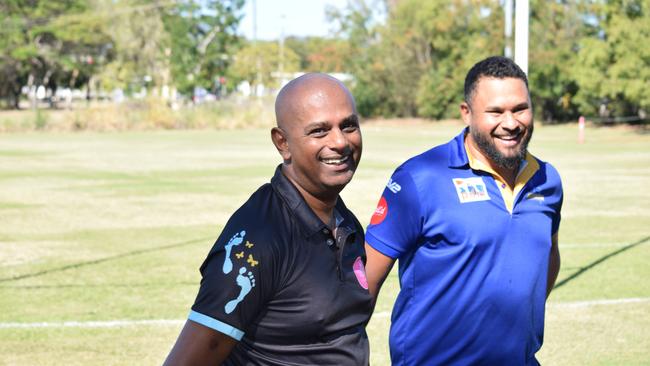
(472, 263)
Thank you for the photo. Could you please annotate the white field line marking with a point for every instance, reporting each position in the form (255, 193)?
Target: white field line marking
(381, 314)
(583, 304)
(568, 304)
(177, 322)
(94, 324)
(593, 245)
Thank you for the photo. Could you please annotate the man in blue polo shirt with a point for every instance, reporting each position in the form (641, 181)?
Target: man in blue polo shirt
(474, 224)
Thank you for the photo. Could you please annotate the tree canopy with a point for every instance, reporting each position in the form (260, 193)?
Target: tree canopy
(129, 44)
(406, 57)
(585, 57)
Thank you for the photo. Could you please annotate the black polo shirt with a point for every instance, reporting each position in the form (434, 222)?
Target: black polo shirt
(279, 281)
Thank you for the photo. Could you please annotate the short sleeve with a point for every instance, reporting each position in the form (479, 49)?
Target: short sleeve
(236, 280)
(396, 224)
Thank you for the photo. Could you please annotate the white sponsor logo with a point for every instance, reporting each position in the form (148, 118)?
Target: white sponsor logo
(471, 189)
(393, 186)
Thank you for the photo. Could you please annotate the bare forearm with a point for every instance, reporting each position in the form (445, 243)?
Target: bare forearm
(199, 345)
(377, 268)
(553, 265)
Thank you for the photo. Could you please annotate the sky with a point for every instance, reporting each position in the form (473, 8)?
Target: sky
(291, 17)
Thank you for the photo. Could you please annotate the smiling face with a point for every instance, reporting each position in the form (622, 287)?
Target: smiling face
(500, 120)
(319, 136)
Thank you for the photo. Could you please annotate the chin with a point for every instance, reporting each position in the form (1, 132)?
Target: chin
(510, 154)
(338, 182)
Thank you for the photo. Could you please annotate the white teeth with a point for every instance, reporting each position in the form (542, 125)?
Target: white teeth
(335, 161)
(508, 138)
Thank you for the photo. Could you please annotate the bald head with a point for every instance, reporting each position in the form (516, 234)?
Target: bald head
(318, 135)
(300, 94)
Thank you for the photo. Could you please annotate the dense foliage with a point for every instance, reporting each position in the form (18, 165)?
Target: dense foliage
(585, 57)
(130, 44)
(406, 57)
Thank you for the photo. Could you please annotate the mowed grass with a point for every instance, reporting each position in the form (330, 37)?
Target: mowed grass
(114, 226)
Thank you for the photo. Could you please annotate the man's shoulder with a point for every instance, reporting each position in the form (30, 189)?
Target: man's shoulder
(261, 215)
(255, 225)
(550, 173)
(429, 162)
(260, 205)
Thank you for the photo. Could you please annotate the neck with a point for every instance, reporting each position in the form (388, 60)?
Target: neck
(322, 205)
(509, 175)
(323, 209)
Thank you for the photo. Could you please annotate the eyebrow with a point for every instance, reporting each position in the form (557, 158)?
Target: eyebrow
(520, 106)
(313, 125)
(353, 118)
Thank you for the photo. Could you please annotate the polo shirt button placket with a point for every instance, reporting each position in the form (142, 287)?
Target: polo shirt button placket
(331, 244)
(329, 240)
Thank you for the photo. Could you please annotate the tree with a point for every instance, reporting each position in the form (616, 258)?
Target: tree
(460, 33)
(203, 39)
(613, 64)
(555, 32)
(139, 42)
(415, 63)
(47, 43)
(266, 55)
(358, 23)
(319, 54)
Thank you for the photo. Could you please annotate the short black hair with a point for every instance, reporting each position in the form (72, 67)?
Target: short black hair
(495, 67)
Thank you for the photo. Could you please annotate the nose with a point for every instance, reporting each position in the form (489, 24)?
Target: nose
(509, 121)
(338, 140)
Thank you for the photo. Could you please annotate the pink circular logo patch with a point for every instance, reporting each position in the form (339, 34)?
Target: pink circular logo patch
(360, 272)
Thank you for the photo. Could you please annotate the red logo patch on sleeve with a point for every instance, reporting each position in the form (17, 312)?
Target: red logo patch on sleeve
(380, 212)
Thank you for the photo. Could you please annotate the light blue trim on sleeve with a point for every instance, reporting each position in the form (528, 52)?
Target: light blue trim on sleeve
(215, 324)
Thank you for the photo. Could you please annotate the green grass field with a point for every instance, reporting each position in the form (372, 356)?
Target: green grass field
(113, 227)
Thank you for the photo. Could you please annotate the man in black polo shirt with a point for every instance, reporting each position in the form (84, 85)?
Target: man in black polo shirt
(285, 283)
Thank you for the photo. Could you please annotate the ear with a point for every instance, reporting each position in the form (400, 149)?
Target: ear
(465, 112)
(279, 138)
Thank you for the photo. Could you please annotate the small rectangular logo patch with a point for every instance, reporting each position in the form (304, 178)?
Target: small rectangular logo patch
(535, 196)
(471, 189)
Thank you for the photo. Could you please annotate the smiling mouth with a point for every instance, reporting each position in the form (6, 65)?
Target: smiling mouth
(335, 161)
(509, 138)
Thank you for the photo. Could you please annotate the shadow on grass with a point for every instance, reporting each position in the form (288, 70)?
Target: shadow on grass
(102, 260)
(599, 261)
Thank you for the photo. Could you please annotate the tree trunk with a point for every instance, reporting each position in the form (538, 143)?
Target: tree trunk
(16, 99)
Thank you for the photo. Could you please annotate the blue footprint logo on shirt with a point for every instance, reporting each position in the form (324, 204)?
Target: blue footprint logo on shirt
(246, 281)
(236, 239)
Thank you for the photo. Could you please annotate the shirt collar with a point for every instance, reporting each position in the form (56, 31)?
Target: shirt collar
(299, 207)
(527, 166)
(460, 157)
(457, 154)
